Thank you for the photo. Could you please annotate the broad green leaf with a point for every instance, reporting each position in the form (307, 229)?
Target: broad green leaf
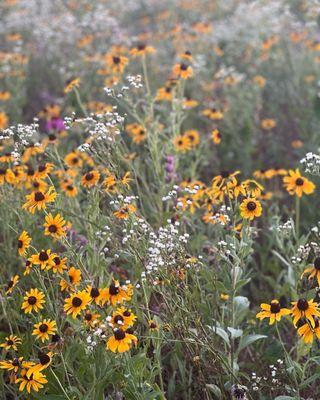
(249, 339)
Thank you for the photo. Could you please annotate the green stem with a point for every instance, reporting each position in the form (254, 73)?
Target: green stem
(297, 216)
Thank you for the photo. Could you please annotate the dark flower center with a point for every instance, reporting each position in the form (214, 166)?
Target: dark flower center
(57, 260)
(2, 171)
(225, 174)
(10, 342)
(116, 60)
(275, 307)
(302, 304)
(43, 256)
(153, 325)
(113, 290)
(76, 302)
(44, 359)
(119, 334)
(94, 292)
(55, 338)
(41, 168)
(127, 313)
(118, 318)
(32, 300)
(38, 196)
(316, 263)
(183, 67)
(141, 46)
(43, 328)
(89, 176)
(299, 181)
(30, 171)
(20, 244)
(16, 362)
(88, 317)
(251, 206)
(52, 229)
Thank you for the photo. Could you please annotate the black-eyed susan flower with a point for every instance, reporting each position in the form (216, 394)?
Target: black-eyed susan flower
(45, 359)
(125, 211)
(24, 241)
(90, 179)
(122, 318)
(182, 71)
(43, 170)
(3, 120)
(60, 264)
(71, 84)
(73, 159)
(313, 270)
(44, 329)
(259, 80)
(28, 266)
(37, 185)
(141, 49)
(193, 136)
(153, 326)
(34, 382)
(307, 332)
(69, 189)
(3, 173)
(297, 184)
(11, 342)
(11, 284)
(54, 226)
(74, 276)
(38, 200)
(12, 365)
(76, 303)
(91, 319)
(165, 94)
(213, 114)
(116, 62)
(250, 208)
(216, 136)
(304, 308)
(44, 259)
(33, 301)
(268, 124)
(117, 294)
(121, 341)
(5, 95)
(252, 188)
(273, 311)
(182, 143)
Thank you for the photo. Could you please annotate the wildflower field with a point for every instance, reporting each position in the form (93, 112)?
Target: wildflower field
(159, 199)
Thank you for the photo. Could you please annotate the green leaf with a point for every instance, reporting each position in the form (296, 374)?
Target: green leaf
(235, 333)
(221, 332)
(286, 398)
(214, 389)
(249, 339)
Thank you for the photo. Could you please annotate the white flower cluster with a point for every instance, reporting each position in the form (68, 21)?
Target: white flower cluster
(140, 226)
(286, 228)
(302, 254)
(164, 247)
(135, 81)
(311, 163)
(95, 337)
(274, 370)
